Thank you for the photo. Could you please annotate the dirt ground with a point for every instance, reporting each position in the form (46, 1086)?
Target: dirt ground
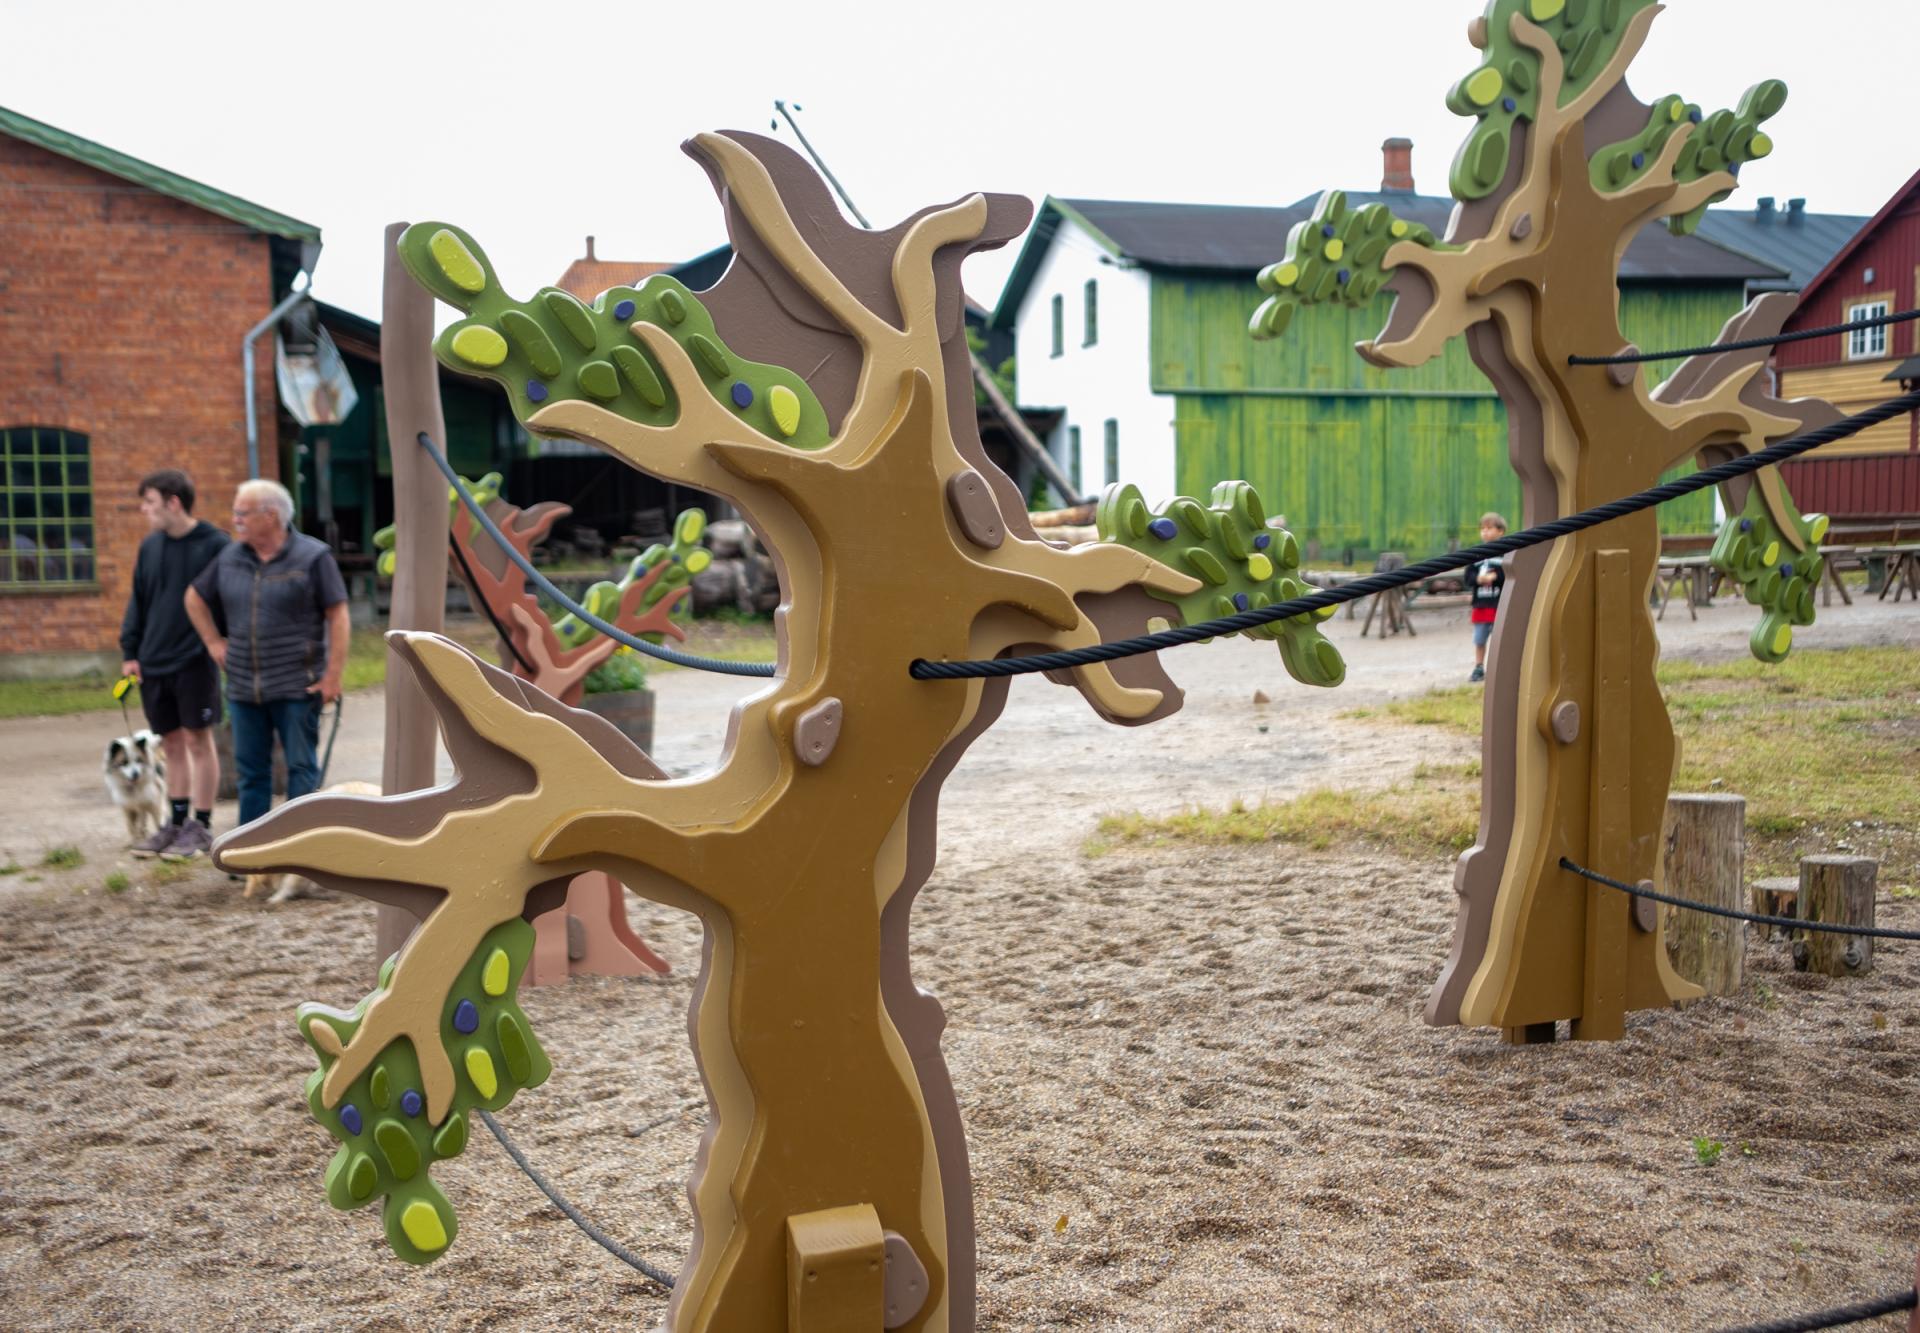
(1197, 1089)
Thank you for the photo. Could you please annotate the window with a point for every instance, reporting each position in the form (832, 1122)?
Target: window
(1073, 454)
(1866, 344)
(1093, 314)
(46, 519)
(1059, 325)
(1113, 451)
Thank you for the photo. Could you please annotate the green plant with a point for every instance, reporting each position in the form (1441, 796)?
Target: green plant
(621, 672)
(1768, 1000)
(167, 872)
(62, 858)
(1707, 1151)
(118, 882)
(11, 868)
(1655, 1278)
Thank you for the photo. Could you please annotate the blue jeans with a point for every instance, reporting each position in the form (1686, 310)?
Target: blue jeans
(298, 722)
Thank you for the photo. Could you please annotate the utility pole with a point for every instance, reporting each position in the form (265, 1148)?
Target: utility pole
(1009, 415)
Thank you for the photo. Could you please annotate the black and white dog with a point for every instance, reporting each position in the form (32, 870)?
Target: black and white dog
(136, 778)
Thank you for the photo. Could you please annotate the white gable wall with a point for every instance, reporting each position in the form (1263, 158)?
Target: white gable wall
(1107, 381)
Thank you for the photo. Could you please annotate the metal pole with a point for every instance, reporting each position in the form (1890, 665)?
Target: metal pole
(274, 316)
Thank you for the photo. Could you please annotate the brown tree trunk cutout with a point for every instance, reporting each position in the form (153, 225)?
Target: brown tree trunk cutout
(821, 1059)
(1531, 284)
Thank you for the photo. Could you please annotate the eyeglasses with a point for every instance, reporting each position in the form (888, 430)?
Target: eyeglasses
(245, 513)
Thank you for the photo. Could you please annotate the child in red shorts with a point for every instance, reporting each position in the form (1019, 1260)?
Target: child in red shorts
(1486, 579)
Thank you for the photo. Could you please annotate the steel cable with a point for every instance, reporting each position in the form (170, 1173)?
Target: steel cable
(1790, 922)
(922, 669)
(1635, 358)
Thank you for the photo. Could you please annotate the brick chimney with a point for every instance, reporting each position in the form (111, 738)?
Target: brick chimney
(589, 247)
(1398, 174)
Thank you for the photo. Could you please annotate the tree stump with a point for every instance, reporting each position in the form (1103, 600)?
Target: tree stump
(1836, 889)
(1779, 896)
(1706, 862)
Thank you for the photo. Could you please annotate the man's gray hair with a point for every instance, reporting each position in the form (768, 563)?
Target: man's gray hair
(267, 495)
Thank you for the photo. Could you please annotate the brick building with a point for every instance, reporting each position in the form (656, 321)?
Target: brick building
(125, 294)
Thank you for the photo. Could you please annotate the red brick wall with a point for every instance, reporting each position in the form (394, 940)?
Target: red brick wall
(121, 315)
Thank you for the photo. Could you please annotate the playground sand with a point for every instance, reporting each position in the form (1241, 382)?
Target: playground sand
(1196, 1087)
(1197, 1090)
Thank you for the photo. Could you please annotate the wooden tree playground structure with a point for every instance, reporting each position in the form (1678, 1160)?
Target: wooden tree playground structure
(824, 387)
(1562, 169)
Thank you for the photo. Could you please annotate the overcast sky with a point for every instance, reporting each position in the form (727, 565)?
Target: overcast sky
(534, 124)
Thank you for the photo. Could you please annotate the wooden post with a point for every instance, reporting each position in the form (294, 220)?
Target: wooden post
(1838, 889)
(411, 381)
(1603, 1004)
(1706, 862)
(1778, 896)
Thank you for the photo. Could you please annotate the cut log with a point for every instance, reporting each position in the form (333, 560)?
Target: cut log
(1706, 863)
(1778, 896)
(1838, 889)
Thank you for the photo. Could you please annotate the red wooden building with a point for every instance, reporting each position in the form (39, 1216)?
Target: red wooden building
(1876, 474)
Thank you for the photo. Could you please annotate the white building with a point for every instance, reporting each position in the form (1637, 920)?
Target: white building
(1081, 315)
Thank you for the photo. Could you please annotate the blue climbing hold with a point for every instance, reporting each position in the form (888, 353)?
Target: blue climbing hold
(1164, 529)
(1639, 161)
(1786, 570)
(536, 391)
(1263, 541)
(1695, 116)
(1508, 104)
(1327, 230)
(411, 1103)
(742, 394)
(350, 1117)
(466, 1018)
(1746, 525)
(1240, 602)
(624, 310)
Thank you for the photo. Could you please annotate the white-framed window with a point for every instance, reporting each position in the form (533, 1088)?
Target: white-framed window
(1092, 313)
(1867, 344)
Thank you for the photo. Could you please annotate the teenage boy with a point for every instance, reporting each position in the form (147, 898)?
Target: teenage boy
(1487, 579)
(179, 684)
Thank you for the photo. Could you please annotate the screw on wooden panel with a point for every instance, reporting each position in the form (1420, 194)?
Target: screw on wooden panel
(906, 1281)
(1646, 912)
(1622, 373)
(817, 732)
(1522, 227)
(1565, 721)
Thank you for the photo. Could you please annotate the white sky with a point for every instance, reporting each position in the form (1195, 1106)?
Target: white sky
(534, 124)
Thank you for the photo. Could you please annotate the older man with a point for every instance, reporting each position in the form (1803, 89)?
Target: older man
(272, 610)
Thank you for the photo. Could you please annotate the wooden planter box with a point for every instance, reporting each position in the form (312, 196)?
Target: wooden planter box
(629, 710)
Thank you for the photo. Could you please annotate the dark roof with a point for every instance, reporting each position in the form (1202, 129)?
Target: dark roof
(1906, 370)
(1887, 210)
(157, 179)
(1798, 242)
(1244, 239)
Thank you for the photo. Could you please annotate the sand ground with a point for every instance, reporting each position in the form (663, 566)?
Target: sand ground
(1197, 1090)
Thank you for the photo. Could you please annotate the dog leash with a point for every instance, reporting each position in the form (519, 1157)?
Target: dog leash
(120, 688)
(326, 762)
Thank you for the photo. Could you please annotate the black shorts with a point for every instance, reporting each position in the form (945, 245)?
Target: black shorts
(189, 697)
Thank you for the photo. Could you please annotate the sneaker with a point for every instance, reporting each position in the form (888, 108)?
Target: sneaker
(191, 839)
(1479, 674)
(157, 841)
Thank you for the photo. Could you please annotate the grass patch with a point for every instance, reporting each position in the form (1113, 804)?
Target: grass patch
(117, 882)
(1437, 812)
(168, 872)
(62, 858)
(1822, 739)
(11, 868)
(58, 698)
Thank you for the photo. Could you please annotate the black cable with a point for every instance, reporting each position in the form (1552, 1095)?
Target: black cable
(1634, 358)
(1834, 1318)
(922, 669)
(546, 585)
(599, 1237)
(1790, 922)
(486, 609)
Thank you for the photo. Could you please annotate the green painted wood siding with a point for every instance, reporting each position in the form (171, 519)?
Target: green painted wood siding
(1355, 456)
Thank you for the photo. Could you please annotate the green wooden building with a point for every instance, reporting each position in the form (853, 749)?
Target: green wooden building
(1131, 319)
